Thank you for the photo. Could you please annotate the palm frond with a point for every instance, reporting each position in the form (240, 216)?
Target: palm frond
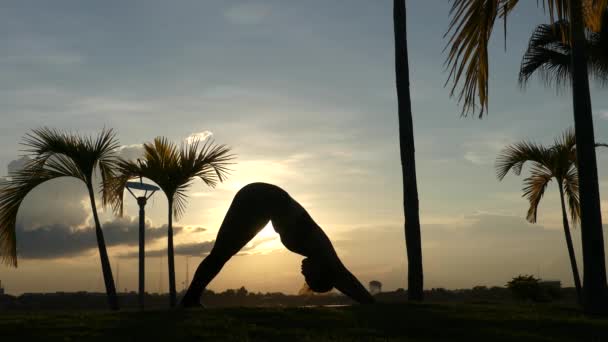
(209, 162)
(470, 30)
(161, 153)
(180, 199)
(534, 189)
(548, 54)
(471, 25)
(514, 156)
(124, 170)
(598, 51)
(592, 9)
(12, 193)
(567, 139)
(82, 151)
(557, 161)
(45, 142)
(593, 13)
(212, 163)
(173, 169)
(570, 187)
(53, 154)
(565, 147)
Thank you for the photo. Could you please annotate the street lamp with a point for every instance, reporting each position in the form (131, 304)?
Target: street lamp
(148, 191)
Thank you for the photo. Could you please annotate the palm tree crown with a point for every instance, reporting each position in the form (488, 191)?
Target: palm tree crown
(53, 155)
(550, 56)
(470, 30)
(173, 169)
(556, 162)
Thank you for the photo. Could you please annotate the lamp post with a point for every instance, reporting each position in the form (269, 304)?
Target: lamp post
(148, 191)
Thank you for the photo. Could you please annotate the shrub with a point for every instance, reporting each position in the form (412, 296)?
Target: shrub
(479, 288)
(526, 287)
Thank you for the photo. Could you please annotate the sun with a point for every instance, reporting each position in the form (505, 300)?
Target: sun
(266, 241)
(267, 231)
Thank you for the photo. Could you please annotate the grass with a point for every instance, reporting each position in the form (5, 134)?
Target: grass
(381, 322)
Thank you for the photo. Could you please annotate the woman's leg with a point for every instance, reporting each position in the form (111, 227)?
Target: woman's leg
(206, 271)
(245, 218)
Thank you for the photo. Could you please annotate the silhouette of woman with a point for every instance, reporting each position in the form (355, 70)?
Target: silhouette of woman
(251, 209)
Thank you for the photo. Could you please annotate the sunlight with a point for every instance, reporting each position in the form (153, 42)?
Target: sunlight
(266, 241)
(267, 231)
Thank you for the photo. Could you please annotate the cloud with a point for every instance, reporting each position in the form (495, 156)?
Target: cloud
(125, 231)
(483, 151)
(197, 249)
(60, 241)
(189, 249)
(476, 158)
(247, 14)
(197, 230)
(200, 136)
(131, 152)
(61, 201)
(135, 151)
(17, 164)
(603, 114)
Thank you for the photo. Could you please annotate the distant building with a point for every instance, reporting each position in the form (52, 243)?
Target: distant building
(553, 284)
(556, 283)
(375, 287)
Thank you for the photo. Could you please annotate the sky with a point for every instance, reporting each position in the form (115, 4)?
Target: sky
(304, 94)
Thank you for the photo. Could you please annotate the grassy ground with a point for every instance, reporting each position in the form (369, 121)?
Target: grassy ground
(382, 322)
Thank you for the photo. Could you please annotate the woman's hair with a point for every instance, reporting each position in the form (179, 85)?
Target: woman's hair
(318, 277)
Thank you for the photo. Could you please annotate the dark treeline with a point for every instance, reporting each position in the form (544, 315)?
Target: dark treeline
(243, 298)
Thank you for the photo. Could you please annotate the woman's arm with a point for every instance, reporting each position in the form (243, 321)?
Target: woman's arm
(348, 284)
(344, 281)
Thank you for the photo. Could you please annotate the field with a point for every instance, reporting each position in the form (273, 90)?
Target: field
(382, 322)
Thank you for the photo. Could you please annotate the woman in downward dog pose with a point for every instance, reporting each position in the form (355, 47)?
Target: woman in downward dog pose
(251, 209)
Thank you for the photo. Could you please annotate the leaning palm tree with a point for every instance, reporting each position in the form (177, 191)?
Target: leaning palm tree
(54, 155)
(408, 155)
(558, 163)
(548, 55)
(173, 169)
(470, 29)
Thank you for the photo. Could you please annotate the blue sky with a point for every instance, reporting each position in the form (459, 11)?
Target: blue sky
(304, 93)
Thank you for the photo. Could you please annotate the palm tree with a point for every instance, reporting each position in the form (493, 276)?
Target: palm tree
(408, 155)
(173, 169)
(55, 154)
(471, 28)
(549, 55)
(555, 163)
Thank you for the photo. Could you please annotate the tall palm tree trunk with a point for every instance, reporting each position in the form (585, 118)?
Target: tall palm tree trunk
(170, 258)
(103, 255)
(575, 275)
(595, 292)
(408, 164)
